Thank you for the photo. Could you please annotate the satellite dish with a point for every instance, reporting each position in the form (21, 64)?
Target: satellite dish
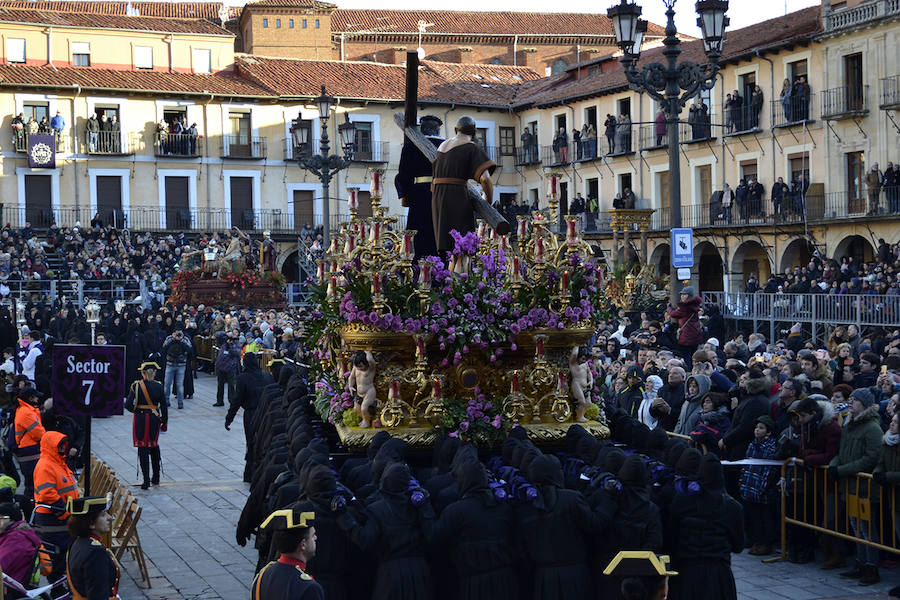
(421, 52)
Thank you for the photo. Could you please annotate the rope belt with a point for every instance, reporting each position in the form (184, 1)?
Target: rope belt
(448, 181)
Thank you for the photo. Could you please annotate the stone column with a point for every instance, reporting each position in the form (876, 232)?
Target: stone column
(645, 259)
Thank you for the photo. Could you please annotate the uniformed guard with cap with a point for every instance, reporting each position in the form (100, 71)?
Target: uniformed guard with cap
(644, 575)
(147, 400)
(91, 569)
(286, 579)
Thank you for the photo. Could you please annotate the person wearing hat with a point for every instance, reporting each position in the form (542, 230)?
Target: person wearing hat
(54, 485)
(91, 570)
(28, 432)
(629, 398)
(147, 400)
(18, 542)
(687, 315)
(759, 493)
(704, 529)
(294, 535)
(860, 448)
(644, 575)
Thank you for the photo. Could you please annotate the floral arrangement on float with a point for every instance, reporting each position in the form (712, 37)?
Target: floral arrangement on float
(467, 344)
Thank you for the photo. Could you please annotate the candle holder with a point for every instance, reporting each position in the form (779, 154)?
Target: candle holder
(392, 415)
(435, 409)
(515, 406)
(560, 407)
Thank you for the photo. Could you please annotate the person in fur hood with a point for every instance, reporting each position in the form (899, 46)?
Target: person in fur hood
(859, 452)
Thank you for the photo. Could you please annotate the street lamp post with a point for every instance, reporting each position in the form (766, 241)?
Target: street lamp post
(671, 84)
(92, 315)
(322, 165)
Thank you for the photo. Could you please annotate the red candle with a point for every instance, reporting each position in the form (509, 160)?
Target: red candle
(571, 236)
(375, 187)
(482, 228)
(553, 182)
(395, 389)
(321, 272)
(332, 287)
(514, 385)
(352, 202)
(540, 347)
(436, 387)
(351, 243)
(334, 266)
(565, 282)
(420, 346)
(515, 268)
(376, 231)
(425, 281)
(539, 249)
(562, 383)
(504, 243)
(362, 230)
(523, 226)
(407, 245)
(376, 284)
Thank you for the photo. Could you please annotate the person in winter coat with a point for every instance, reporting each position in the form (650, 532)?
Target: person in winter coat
(697, 387)
(630, 397)
(704, 528)
(476, 533)
(859, 452)
(54, 484)
(887, 476)
(249, 388)
(228, 363)
(651, 391)
(758, 490)
(18, 543)
(395, 531)
(714, 421)
(667, 408)
(690, 330)
(754, 404)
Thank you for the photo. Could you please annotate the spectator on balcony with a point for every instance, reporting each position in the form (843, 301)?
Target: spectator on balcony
(44, 126)
(193, 134)
(727, 202)
(780, 191)
(873, 188)
(18, 127)
(729, 113)
(787, 92)
(92, 126)
(801, 96)
(32, 126)
(737, 105)
(660, 126)
(578, 209)
(703, 118)
(561, 146)
(104, 133)
(756, 104)
(58, 123)
(628, 199)
(609, 130)
(756, 193)
(741, 195)
(576, 140)
(694, 121)
(623, 134)
(589, 134)
(890, 182)
(115, 129)
(528, 148)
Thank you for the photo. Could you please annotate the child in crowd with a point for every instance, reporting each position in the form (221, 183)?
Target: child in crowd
(759, 492)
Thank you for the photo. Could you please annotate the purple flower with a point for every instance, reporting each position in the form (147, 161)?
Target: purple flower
(464, 426)
(498, 420)
(514, 347)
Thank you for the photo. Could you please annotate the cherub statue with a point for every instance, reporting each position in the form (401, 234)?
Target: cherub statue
(581, 381)
(361, 384)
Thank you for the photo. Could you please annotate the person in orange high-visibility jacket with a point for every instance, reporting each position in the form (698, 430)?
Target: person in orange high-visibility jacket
(29, 430)
(54, 484)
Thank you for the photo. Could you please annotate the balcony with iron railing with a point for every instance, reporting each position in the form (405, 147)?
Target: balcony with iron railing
(292, 151)
(845, 102)
(792, 111)
(650, 139)
(742, 119)
(109, 143)
(527, 156)
(176, 145)
(20, 142)
(700, 129)
(243, 148)
(371, 152)
(889, 93)
(860, 15)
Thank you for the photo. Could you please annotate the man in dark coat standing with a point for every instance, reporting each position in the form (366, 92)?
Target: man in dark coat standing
(413, 183)
(754, 404)
(250, 385)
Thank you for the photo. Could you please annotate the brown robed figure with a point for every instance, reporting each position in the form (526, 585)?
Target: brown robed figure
(459, 159)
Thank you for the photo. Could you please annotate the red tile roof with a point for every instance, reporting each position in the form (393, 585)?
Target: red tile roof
(174, 10)
(487, 85)
(138, 81)
(795, 28)
(195, 26)
(315, 4)
(523, 23)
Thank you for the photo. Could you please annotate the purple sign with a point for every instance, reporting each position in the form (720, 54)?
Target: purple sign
(88, 380)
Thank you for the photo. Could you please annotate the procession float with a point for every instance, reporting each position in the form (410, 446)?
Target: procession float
(468, 344)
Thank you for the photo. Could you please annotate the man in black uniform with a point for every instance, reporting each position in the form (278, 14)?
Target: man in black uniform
(147, 400)
(413, 183)
(286, 579)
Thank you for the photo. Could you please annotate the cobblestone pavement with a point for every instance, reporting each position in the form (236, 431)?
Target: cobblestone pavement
(188, 522)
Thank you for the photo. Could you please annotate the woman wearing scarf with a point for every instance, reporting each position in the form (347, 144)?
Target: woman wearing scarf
(651, 390)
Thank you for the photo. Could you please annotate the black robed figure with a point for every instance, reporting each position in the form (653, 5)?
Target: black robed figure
(413, 184)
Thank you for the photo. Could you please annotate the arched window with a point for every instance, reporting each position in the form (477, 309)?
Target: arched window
(559, 65)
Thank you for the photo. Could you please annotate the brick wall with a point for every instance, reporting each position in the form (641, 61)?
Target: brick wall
(287, 42)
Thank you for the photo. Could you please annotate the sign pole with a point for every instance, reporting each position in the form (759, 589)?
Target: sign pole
(87, 456)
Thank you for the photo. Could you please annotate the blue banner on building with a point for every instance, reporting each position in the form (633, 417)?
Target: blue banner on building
(42, 151)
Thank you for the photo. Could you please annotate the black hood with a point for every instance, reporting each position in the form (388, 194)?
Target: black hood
(471, 480)
(393, 450)
(634, 472)
(395, 480)
(251, 362)
(710, 475)
(320, 484)
(546, 474)
(444, 451)
(509, 447)
(376, 443)
(614, 460)
(674, 450)
(688, 463)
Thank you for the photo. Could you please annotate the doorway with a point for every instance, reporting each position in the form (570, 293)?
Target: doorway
(109, 199)
(242, 202)
(38, 200)
(178, 214)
